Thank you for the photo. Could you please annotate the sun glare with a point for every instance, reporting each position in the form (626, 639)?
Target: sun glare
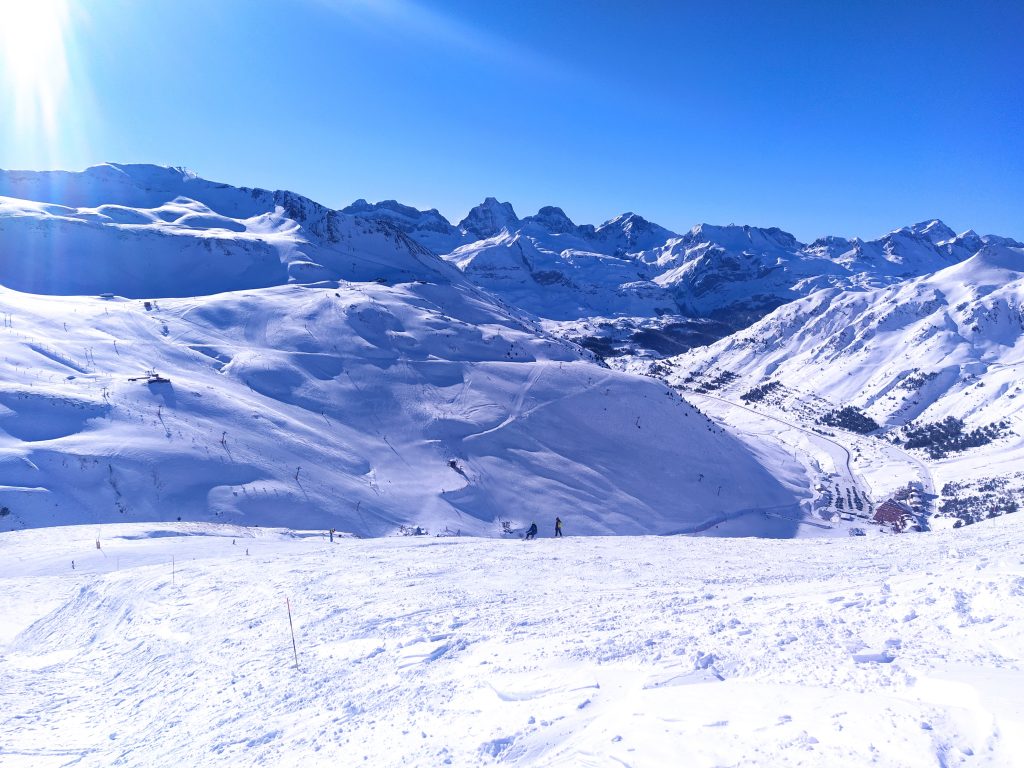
(33, 53)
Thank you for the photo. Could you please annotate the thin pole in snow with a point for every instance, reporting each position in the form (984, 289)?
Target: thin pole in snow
(291, 626)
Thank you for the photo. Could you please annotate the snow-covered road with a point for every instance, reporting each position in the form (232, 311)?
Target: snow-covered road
(640, 651)
(870, 463)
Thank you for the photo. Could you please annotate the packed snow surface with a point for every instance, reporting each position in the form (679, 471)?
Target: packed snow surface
(640, 651)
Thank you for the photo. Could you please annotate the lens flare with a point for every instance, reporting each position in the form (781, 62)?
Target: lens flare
(34, 57)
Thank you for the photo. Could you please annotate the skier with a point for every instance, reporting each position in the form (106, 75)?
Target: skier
(531, 533)
(558, 527)
(331, 532)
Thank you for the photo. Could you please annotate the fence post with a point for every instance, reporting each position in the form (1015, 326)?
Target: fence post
(291, 626)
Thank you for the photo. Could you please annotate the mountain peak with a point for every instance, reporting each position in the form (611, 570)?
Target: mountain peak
(552, 219)
(360, 207)
(631, 232)
(489, 218)
(742, 236)
(934, 229)
(626, 220)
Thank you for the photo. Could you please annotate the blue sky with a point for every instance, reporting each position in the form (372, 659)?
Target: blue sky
(817, 117)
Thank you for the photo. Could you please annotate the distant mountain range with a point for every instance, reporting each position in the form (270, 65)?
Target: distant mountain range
(626, 271)
(643, 289)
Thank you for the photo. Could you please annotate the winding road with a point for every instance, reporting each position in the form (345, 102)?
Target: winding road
(840, 455)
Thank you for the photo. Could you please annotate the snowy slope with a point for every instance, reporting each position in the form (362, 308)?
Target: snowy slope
(645, 651)
(146, 231)
(399, 395)
(420, 403)
(395, 392)
(946, 346)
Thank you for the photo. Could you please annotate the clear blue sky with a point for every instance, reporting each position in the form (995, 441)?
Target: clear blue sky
(818, 117)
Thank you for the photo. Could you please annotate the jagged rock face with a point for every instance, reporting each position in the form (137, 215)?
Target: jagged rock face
(934, 230)
(489, 219)
(552, 220)
(743, 238)
(629, 233)
(404, 217)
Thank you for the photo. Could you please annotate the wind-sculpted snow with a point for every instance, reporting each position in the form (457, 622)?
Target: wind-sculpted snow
(170, 646)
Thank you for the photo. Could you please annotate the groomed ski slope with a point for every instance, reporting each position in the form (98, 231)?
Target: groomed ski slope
(586, 651)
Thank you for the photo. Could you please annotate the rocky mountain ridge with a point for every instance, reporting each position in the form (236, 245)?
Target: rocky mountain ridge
(620, 284)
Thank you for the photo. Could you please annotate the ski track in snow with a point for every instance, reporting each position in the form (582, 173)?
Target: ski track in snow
(591, 651)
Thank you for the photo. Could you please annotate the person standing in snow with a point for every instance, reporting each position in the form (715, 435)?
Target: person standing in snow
(558, 527)
(531, 533)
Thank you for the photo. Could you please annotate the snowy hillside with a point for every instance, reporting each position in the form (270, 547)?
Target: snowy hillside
(361, 407)
(329, 369)
(398, 396)
(170, 646)
(931, 366)
(144, 231)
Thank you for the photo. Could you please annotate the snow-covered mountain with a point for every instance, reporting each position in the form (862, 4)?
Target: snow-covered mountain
(389, 392)
(630, 286)
(380, 367)
(932, 364)
(145, 231)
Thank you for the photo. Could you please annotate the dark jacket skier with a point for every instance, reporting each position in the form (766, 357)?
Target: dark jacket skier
(558, 526)
(531, 532)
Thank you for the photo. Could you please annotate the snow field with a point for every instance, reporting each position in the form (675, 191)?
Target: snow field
(643, 651)
(356, 406)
